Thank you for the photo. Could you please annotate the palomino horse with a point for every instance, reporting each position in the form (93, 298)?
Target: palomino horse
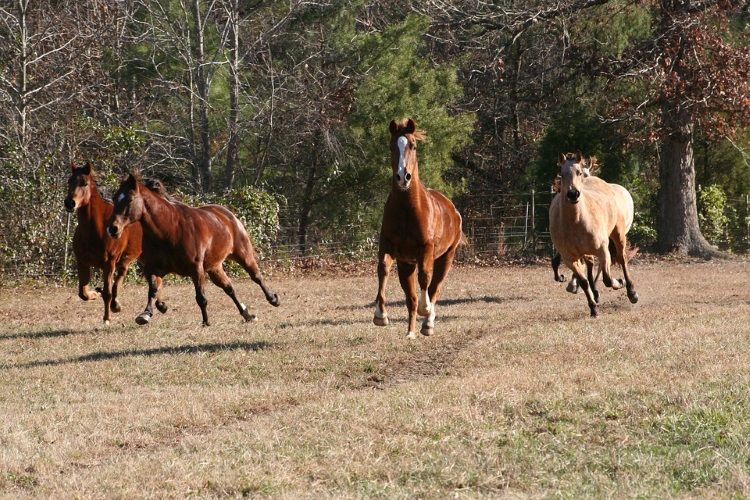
(421, 230)
(584, 218)
(187, 241)
(91, 245)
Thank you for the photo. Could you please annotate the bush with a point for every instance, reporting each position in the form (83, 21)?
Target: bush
(712, 217)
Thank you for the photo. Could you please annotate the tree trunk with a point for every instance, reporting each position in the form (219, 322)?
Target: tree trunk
(307, 204)
(677, 221)
(234, 91)
(201, 82)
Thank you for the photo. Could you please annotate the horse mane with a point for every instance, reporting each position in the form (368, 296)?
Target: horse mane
(156, 186)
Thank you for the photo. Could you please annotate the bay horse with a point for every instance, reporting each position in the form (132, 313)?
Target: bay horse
(184, 240)
(587, 214)
(421, 230)
(91, 245)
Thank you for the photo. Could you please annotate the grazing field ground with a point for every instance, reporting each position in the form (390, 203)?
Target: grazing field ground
(518, 392)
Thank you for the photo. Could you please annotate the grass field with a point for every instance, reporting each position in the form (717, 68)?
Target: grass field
(518, 392)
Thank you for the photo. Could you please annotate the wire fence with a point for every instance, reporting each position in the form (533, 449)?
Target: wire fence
(497, 226)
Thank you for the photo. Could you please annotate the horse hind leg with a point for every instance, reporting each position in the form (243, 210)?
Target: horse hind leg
(407, 276)
(246, 259)
(439, 273)
(160, 304)
(380, 317)
(621, 243)
(219, 278)
(591, 279)
(84, 278)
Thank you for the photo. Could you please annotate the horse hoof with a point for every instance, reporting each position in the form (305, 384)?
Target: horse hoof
(206, 323)
(106, 322)
(571, 288)
(275, 302)
(115, 307)
(162, 307)
(380, 321)
(560, 279)
(633, 297)
(143, 319)
(621, 281)
(594, 314)
(411, 335)
(427, 331)
(249, 317)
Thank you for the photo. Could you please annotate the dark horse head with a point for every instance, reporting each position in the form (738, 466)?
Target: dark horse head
(404, 137)
(80, 184)
(128, 205)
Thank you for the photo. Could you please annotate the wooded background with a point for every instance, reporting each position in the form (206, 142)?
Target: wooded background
(280, 110)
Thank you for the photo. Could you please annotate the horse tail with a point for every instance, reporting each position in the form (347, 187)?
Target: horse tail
(629, 252)
(464, 241)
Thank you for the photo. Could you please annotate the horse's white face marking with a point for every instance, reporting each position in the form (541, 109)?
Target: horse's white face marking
(402, 142)
(120, 197)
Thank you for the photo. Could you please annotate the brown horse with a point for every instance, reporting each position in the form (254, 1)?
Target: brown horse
(187, 241)
(586, 215)
(91, 245)
(421, 230)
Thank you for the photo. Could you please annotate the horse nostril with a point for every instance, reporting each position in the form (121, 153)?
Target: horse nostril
(408, 177)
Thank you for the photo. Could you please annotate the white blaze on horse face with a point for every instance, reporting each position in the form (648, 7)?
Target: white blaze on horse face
(120, 197)
(402, 142)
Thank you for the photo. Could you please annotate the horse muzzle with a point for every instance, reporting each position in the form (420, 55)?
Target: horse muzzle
(113, 232)
(573, 196)
(403, 183)
(70, 204)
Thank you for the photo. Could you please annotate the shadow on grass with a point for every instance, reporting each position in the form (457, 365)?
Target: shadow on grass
(364, 321)
(487, 299)
(157, 351)
(51, 334)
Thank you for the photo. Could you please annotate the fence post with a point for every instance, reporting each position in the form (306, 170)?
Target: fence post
(526, 226)
(533, 220)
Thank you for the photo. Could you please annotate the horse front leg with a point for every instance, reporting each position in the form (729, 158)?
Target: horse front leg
(406, 276)
(199, 281)
(579, 270)
(385, 260)
(84, 277)
(109, 270)
(153, 288)
(425, 263)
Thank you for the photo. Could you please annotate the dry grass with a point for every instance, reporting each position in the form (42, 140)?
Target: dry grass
(518, 393)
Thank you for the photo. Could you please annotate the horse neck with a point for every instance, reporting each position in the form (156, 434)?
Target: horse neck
(573, 212)
(94, 213)
(414, 197)
(159, 216)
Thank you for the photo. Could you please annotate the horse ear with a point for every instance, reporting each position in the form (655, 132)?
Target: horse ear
(410, 126)
(393, 127)
(561, 160)
(87, 168)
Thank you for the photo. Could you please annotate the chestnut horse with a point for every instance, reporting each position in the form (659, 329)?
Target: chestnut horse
(192, 242)
(587, 214)
(91, 245)
(421, 229)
